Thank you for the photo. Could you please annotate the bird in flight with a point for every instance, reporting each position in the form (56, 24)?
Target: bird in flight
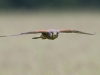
(50, 34)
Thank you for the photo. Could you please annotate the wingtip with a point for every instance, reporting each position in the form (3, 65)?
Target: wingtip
(94, 33)
(3, 36)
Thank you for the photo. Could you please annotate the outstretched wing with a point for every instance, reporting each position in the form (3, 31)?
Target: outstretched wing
(32, 32)
(73, 31)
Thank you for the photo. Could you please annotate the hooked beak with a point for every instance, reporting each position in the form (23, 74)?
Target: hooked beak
(54, 34)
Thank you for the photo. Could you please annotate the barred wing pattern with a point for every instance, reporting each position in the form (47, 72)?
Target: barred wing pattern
(32, 32)
(73, 31)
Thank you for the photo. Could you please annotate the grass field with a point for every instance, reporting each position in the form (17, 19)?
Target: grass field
(70, 54)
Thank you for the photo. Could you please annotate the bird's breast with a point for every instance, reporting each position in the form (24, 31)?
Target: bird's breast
(47, 36)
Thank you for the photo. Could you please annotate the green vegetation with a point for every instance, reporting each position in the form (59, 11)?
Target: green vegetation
(28, 4)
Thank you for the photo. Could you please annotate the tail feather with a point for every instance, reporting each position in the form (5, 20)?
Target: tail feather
(36, 37)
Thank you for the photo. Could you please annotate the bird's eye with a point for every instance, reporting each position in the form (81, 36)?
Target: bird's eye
(51, 34)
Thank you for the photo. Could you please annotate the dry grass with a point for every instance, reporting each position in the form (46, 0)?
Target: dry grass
(70, 54)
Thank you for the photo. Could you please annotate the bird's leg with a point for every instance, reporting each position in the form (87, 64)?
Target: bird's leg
(42, 37)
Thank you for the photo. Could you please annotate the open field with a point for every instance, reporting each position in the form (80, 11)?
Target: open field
(70, 54)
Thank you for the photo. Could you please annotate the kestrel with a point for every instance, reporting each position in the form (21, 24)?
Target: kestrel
(50, 34)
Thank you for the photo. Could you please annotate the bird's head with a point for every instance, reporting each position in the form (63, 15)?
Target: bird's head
(53, 33)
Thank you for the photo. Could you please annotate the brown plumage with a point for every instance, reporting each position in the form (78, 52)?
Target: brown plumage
(50, 34)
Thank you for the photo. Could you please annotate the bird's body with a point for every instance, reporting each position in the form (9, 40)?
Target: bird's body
(50, 34)
(53, 34)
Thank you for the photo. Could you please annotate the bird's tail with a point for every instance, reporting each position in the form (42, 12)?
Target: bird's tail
(36, 37)
(39, 37)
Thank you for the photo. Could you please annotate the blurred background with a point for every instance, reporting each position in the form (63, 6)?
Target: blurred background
(58, 4)
(69, 54)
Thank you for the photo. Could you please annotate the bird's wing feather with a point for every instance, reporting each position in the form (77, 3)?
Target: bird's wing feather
(32, 32)
(73, 31)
